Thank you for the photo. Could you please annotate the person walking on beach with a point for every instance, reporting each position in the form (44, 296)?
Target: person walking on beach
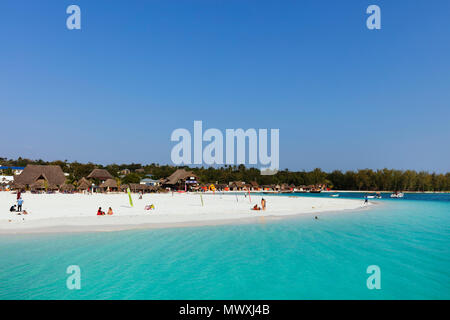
(19, 204)
(263, 203)
(366, 199)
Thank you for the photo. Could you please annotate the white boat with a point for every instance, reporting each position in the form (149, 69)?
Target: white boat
(335, 195)
(397, 195)
(370, 197)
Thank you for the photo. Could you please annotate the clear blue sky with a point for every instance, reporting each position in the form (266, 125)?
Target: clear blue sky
(343, 97)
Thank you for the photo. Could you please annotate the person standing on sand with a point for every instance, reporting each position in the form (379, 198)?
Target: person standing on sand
(263, 203)
(19, 204)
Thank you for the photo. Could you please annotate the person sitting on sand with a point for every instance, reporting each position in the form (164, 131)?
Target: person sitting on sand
(12, 209)
(110, 212)
(100, 212)
(256, 207)
(25, 212)
(150, 207)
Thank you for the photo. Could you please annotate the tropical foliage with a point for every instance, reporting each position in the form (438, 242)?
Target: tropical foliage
(365, 179)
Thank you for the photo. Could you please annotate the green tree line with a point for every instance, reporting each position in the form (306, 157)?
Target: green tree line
(364, 179)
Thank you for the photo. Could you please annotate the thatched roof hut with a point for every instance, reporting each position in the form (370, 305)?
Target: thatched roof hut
(100, 174)
(17, 186)
(53, 175)
(124, 187)
(237, 185)
(43, 185)
(83, 184)
(180, 175)
(110, 183)
(134, 187)
(67, 188)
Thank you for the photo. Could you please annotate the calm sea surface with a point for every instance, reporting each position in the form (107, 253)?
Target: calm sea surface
(295, 258)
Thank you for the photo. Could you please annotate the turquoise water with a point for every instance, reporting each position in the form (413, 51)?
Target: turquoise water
(295, 258)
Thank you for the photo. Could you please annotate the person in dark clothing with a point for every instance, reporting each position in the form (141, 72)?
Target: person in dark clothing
(12, 209)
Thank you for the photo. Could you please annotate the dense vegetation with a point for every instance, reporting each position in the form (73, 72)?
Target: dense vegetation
(365, 179)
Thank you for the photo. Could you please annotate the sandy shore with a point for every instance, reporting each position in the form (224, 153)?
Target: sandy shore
(77, 212)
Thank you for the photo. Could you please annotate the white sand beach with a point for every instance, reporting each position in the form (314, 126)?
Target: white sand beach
(77, 212)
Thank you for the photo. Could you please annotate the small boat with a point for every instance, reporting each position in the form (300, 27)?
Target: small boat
(315, 191)
(397, 195)
(370, 197)
(335, 195)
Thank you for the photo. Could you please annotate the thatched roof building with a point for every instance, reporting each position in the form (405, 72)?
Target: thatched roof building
(67, 188)
(237, 185)
(110, 183)
(100, 174)
(181, 179)
(180, 176)
(43, 185)
(137, 187)
(83, 184)
(17, 185)
(47, 175)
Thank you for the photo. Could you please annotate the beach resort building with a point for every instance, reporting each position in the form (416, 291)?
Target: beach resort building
(237, 186)
(181, 180)
(109, 185)
(40, 177)
(100, 174)
(67, 188)
(124, 172)
(83, 184)
(150, 182)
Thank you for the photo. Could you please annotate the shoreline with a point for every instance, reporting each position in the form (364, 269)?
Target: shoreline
(65, 213)
(72, 229)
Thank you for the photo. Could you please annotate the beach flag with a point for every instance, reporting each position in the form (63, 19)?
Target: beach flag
(129, 196)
